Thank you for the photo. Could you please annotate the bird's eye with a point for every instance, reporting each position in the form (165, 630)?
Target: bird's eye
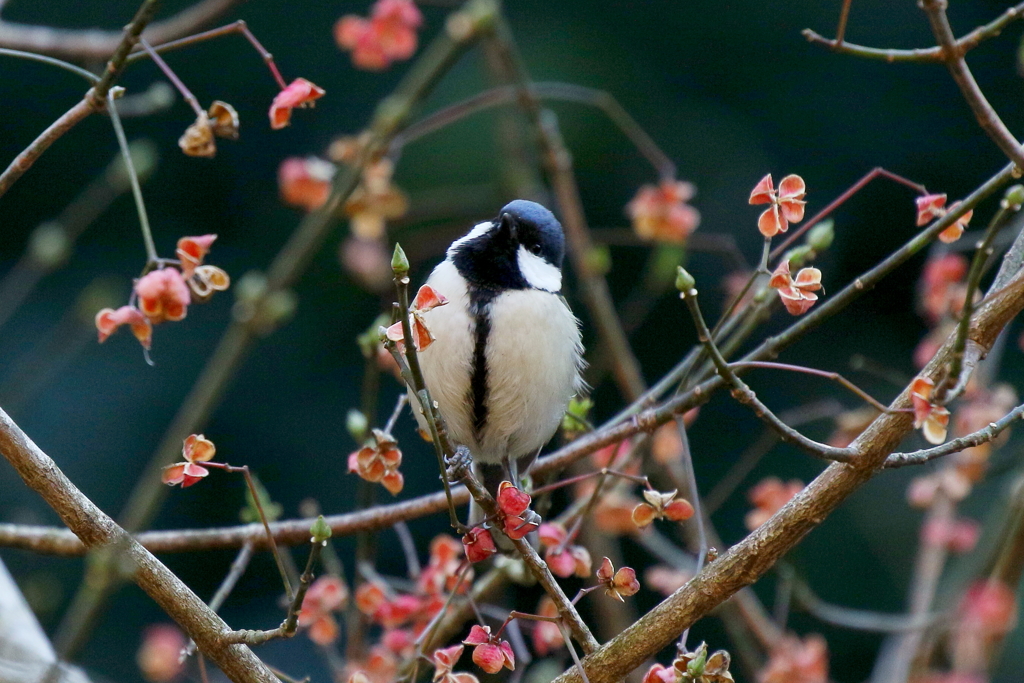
(535, 248)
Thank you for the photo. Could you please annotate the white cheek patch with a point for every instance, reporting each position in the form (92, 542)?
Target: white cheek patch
(478, 230)
(539, 273)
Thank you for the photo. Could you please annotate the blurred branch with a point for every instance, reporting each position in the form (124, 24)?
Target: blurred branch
(96, 45)
(97, 530)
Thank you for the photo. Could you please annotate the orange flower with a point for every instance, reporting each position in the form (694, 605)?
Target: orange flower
(159, 656)
(196, 449)
(661, 213)
(379, 462)
(787, 205)
(427, 298)
(796, 295)
(942, 290)
(617, 583)
(930, 207)
(305, 183)
(108, 320)
(163, 295)
(930, 418)
(298, 93)
(953, 232)
(192, 250)
(563, 558)
(375, 201)
(444, 661)
(388, 35)
(661, 506)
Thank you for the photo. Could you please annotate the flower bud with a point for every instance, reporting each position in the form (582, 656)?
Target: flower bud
(399, 261)
(356, 424)
(320, 531)
(685, 282)
(49, 245)
(1014, 197)
(820, 237)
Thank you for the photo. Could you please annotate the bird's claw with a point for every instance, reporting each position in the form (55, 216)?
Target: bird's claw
(459, 464)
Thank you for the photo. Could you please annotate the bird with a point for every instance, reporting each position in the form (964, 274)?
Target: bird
(507, 354)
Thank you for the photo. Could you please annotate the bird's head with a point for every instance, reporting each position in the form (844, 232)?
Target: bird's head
(522, 248)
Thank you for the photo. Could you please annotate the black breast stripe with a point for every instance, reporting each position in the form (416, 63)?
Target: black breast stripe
(480, 305)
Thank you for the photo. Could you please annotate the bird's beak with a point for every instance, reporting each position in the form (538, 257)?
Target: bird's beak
(508, 224)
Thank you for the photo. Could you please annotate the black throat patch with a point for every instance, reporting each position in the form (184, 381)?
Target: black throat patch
(480, 307)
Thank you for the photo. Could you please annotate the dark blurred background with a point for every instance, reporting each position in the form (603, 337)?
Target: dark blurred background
(730, 91)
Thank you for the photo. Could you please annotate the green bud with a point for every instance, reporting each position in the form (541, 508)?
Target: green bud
(1014, 197)
(399, 262)
(684, 282)
(695, 667)
(819, 238)
(663, 264)
(356, 424)
(320, 531)
(599, 260)
(575, 419)
(798, 256)
(369, 339)
(49, 245)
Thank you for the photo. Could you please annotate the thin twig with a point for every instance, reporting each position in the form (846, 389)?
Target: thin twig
(983, 435)
(227, 585)
(52, 61)
(133, 179)
(172, 77)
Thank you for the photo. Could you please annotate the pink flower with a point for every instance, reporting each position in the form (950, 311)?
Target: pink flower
(326, 595)
(444, 661)
(796, 295)
(298, 93)
(957, 536)
(930, 418)
(797, 661)
(108, 320)
(562, 558)
(196, 449)
(787, 205)
(514, 511)
(617, 583)
(305, 182)
(659, 673)
(388, 35)
(490, 652)
(159, 656)
(661, 213)
(768, 497)
(546, 634)
(163, 295)
(942, 289)
(930, 207)
(427, 298)
(479, 544)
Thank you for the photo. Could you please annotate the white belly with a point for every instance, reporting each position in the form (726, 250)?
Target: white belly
(533, 363)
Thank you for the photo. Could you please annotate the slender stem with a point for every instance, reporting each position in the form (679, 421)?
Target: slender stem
(983, 435)
(133, 178)
(954, 384)
(920, 55)
(953, 56)
(698, 513)
(52, 61)
(172, 77)
(238, 567)
(237, 27)
(565, 92)
(877, 172)
(835, 376)
(745, 395)
(115, 65)
(762, 269)
(399, 404)
(844, 16)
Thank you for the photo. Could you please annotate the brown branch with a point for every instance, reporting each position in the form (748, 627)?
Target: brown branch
(953, 56)
(747, 561)
(28, 156)
(923, 55)
(96, 530)
(95, 45)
